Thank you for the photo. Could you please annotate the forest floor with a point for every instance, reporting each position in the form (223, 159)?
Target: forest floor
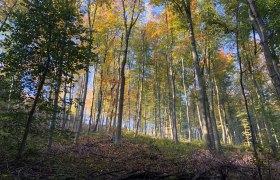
(143, 157)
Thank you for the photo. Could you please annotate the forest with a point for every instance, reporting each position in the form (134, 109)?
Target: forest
(139, 89)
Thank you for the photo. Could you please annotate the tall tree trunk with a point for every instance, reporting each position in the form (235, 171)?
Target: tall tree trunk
(257, 119)
(139, 112)
(261, 99)
(32, 111)
(55, 110)
(227, 128)
(201, 85)
(170, 110)
(100, 93)
(129, 102)
(199, 116)
(121, 100)
(128, 28)
(10, 94)
(158, 100)
(100, 99)
(58, 83)
(78, 104)
(68, 114)
(117, 91)
(115, 110)
(37, 97)
(64, 113)
(169, 59)
(79, 129)
(90, 28)
(174, 119)
(92, 101)
(253, 138)
(211, 105)
(224, 137)
(145, 114)
(272, 60)
(186, 101)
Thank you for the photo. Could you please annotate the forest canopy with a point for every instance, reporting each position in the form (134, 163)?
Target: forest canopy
(192, 71)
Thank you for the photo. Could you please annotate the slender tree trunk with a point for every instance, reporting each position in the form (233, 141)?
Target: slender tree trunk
(10, 94)
(111, 115)
(64, 117)
(253, 138)
(38, 93)
(79, 129)
(199, 116)
(275, 136)
(174, 118)
(186, 101)
(145, 115)
(68, 114)
(158, 100)
(220, 113)
(115, 110)
(257, 120)
(170, 110)
(92, 101)
(129, 103)
(201, 85)
(58, 83)
(90, 28)
(169, 59)
(211, 106)
(100, 97)
(121, 100)
(117, 92)
(227, 128)
(32, 111)
(78, 104)
(128, 29)
(55, 110)
(139, 112)
(272, 60)
(268, 131)
(261, 99)
(100, 93)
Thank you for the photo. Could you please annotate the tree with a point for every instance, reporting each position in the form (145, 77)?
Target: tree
(131, 13)
(40, 51)
(272, 60)
(253, 137)
(201, 86)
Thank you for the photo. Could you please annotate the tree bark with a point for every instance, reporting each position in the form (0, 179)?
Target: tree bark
(201, 85)
(253, 138)
(79, 129)
(68, 114)
(261, 99)
(139, 112)
(186, 101)
(257, 120)
(224, 137)
(64, 113)
(271, 58)
(55, 110)
(174, 118)
(32, 111)
(121, 100)
(92, 100)
(211, 105)
(100, 99)
(128, 29)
